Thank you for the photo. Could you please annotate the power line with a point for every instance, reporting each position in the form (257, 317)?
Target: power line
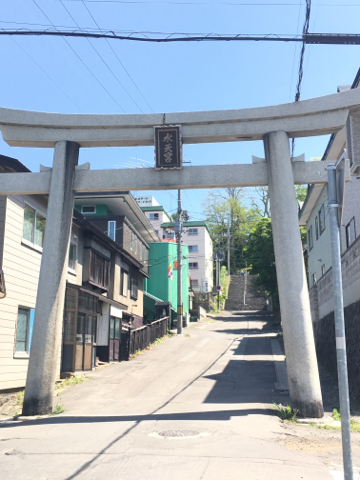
(310, 38)
(53, 81)
(101, 58)
(123, 66)
(293, 64)
(301, 62)
(235, 4)
(81, 60)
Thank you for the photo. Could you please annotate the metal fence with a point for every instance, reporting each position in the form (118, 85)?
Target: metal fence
(138, 339)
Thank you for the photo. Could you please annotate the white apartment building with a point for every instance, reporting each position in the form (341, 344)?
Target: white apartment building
(157, 216)
(146, 201)
(197, 238)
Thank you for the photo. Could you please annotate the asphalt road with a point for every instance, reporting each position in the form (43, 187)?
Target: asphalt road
(198, 406)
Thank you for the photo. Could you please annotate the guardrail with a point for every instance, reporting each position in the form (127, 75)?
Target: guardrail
(139, 338)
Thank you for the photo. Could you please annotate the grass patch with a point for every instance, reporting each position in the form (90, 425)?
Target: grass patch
(20, 397)
(57, 409)
(159, 341)
(285, 412)
(187, 335)
(69, 382)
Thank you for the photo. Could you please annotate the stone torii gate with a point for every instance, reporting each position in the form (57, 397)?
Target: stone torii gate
(67, 133)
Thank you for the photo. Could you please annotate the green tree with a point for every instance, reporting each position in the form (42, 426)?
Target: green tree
(226, 213)
(261, 258)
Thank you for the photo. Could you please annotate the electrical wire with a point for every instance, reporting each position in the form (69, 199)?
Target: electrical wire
(123, 66)
(132, 36)
(53, 81)
(102, 59)
(81, 60)
(301, 61)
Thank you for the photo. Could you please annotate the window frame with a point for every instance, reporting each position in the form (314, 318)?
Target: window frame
(192, 265)
(310, 238)
(193, 248)
(153, 216)
(134, 287)
(88, 206)
(349, 240)
(25, 352)
(31, 243)
(316, 228)
(108, 231)
(322, 225)
(193, 231)
(99, 270)
(194, 282)
(70, 268)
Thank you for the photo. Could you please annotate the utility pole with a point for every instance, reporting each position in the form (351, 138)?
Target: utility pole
(178, 231)
(339, 321)
(217, 281)
(228, 250)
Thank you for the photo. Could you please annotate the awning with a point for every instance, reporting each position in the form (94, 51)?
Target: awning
(100, 297)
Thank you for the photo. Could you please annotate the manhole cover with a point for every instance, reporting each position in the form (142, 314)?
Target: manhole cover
(179, 434)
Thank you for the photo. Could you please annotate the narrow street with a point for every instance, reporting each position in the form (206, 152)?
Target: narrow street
(198, 406)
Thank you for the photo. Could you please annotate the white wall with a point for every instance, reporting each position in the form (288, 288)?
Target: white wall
(204, 258)
(21, 265)
(321, 252)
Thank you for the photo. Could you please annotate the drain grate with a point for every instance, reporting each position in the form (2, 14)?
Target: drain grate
(179, 433)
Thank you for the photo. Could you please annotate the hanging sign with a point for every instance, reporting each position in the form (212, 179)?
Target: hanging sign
(167, 148)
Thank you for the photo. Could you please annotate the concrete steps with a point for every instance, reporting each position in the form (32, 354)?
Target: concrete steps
(243, 295)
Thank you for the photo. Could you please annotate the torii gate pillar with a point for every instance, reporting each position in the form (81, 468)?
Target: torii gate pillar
(303, 375)
(46, 343)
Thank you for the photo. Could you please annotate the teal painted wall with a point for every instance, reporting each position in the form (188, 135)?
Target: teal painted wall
(101, 209)
(161, 255)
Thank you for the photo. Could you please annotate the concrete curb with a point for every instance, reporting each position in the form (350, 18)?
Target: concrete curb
(282, 384)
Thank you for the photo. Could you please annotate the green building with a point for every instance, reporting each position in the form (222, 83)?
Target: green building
(163, 266)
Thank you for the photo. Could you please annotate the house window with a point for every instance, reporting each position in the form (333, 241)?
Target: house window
(123, 283)
(133, 288)
(131, 240)
(310, 238)
(72, 256)
(350, 232)
(322, 219)
(136, 244)
(192, 231)
(193, 265)
(322, 269)
(157, 232)
(153, 216)
(25, 319)
(34, 226)
(112, 229)
(313, 279)
(88, 209)
(169, 235)
(194, 282)
(99, 271)
(193, 248)
(316, 227)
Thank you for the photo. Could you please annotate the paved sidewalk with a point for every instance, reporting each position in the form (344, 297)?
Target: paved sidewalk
(198, 407)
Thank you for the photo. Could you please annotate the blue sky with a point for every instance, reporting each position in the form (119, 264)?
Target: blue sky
(54, 75)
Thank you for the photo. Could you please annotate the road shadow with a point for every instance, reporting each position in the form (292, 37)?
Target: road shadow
(214, 415)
